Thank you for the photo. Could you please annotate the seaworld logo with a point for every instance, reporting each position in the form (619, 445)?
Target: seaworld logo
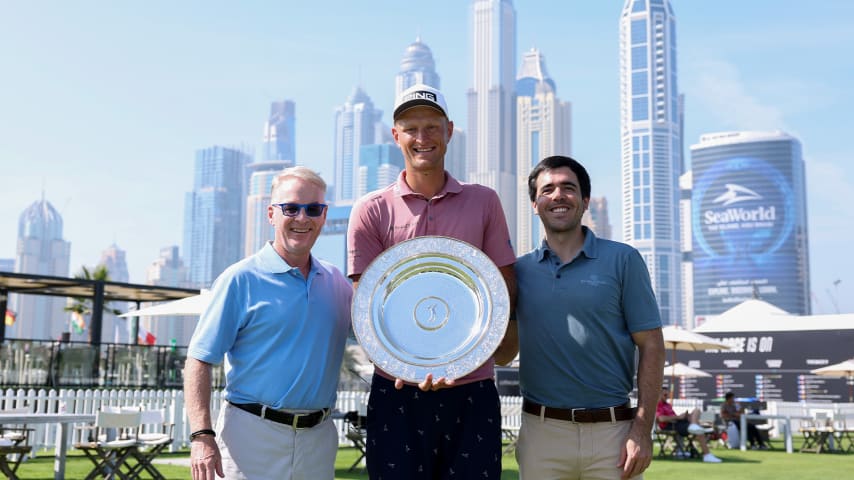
(736, 193)
(730, 215)
(748, 217)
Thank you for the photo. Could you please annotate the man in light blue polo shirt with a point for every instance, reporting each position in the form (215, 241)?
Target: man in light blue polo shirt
(280, 318)
(584, 305)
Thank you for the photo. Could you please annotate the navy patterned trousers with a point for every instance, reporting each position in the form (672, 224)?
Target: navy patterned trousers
(452, 433)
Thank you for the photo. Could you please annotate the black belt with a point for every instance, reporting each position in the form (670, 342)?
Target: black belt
(581, 415)
(295, 420)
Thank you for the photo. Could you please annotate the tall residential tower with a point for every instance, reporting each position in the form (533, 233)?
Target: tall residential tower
(543, 129)
(355, 125)
(651, 145)
(277, 153)
(416, 66)
(491, 135)
(41, 250)
(213, 213)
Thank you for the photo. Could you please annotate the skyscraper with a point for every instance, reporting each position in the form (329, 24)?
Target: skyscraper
(168, 270)
(331, 244)
(543, 129)
(41, 250)
(213, 213)
(455, 156)
(355, 125)
(277, 153)
(749, 222)
(416, 66)
(651, 145)
(490, 142)
(279, 142)
(114, 329)
(379, 165)
(596, 217)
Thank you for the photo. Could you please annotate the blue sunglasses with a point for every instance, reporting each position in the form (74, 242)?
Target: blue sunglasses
(292, 209)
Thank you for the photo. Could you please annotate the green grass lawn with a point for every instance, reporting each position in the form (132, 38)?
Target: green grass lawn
(737, 465)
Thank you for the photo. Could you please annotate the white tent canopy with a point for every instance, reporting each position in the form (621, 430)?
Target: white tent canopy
(759, 316)
(190, 306)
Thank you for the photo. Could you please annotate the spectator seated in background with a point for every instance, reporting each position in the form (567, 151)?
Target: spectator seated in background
(731, 412)
(685, 424)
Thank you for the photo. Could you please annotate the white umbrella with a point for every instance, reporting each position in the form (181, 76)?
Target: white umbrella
(676, 338)
(679, 369)
(189, 306)
(841, 369)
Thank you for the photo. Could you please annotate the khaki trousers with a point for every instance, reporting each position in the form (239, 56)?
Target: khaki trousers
(254, 449)
(551, 449)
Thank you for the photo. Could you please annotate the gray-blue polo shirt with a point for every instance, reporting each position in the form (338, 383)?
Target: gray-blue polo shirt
(575, 323)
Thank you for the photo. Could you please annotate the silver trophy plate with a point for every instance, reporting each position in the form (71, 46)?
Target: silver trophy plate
(430, 305)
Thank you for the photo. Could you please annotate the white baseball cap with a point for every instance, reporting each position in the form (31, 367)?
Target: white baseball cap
(420, 95)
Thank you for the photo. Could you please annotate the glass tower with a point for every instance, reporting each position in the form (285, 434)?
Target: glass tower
(543, 125)
(416, 66)
(355, 125)
(749, 222)
(277, 153)
(491, 135)
(41, 250)
(213, 213)
(379, 166)
(651, 145)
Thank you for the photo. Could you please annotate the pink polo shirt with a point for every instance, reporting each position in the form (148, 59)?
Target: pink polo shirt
(468, 212)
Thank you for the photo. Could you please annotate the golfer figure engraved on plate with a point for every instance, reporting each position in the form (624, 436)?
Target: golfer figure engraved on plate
(431, 313)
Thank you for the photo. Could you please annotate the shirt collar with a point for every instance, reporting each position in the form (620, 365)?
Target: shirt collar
(590, 248)
(270, 261)
(451, 186)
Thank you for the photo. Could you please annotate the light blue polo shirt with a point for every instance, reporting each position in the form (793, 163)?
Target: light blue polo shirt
(282, 335)
(575, 323)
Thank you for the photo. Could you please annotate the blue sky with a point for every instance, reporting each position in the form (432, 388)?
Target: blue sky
(103, 104)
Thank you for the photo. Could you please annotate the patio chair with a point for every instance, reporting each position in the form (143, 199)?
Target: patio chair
(816, 433)
(156, 434)
(356, 433)
(843, 435)
(670, 443)
(14, 444)
(113, 442)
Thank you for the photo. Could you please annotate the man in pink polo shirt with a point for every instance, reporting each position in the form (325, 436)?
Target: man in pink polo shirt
(440, 427)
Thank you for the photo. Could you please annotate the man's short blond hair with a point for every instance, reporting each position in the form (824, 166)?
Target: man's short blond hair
(300, 172)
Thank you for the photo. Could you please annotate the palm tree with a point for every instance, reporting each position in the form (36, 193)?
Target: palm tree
(82, 306)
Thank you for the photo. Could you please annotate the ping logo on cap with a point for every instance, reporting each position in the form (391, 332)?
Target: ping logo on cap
(419, 95)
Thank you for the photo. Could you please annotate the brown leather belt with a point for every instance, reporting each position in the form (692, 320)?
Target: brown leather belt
(295, 420)
(581, 415)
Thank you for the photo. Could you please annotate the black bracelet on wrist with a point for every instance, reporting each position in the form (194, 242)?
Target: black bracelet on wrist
(204, 431)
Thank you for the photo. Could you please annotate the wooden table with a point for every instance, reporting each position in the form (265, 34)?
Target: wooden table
(63, 419)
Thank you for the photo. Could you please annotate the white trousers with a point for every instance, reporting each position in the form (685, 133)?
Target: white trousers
(256, 449)
(551, 449)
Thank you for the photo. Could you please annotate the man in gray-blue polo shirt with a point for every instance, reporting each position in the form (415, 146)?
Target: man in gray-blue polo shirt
(585, 304)
(280, 318)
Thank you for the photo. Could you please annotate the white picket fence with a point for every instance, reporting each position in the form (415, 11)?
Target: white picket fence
(172, 401)
(90, 401)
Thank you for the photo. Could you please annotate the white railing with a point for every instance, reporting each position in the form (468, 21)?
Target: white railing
(172, 401)
(90, 401)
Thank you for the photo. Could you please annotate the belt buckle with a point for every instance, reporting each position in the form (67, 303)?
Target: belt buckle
(296, 420)
(572, 414)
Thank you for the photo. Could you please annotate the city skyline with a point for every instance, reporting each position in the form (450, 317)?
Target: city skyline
(107, 104)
